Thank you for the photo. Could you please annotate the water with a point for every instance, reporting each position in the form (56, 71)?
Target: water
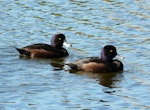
(41, 84)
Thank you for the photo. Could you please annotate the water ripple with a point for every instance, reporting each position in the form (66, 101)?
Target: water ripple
(89, 25)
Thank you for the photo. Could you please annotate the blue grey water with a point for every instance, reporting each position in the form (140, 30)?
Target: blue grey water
(47, 84)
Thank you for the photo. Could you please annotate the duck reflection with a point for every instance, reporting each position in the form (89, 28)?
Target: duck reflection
(104, 79)
(109, 79)
(57, 63)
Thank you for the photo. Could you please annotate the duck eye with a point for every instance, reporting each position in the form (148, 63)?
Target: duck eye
(59, 38)
(110, 51)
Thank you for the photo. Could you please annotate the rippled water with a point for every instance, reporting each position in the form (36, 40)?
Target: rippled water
(41, 84)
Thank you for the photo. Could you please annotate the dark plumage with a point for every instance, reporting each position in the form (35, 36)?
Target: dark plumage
(97, 64)
(40, 50)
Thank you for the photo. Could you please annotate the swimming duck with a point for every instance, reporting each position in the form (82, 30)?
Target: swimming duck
(41, 50)
(99, 65)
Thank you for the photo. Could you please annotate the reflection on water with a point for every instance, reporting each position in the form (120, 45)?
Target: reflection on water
(105, 79)
(44, 84)
(57, 64)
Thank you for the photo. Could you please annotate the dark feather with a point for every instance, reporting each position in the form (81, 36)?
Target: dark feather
(73, 66)
(41, 46)
(23, 52)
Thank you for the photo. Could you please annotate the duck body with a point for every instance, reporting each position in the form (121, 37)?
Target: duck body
(97, 64)
(41, 50)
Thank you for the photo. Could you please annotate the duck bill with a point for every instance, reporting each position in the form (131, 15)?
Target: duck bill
(119, 57)
(67, 44)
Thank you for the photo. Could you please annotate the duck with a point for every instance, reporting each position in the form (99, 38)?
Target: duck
(103, 64)
(41, 50)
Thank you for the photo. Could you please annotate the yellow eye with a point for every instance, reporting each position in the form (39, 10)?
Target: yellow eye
(110, 51)
(59, 38)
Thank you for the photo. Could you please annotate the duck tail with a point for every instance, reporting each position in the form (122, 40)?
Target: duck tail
(23, 52)
(73, 66)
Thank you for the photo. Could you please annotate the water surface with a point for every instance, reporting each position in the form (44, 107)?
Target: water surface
(41, 84)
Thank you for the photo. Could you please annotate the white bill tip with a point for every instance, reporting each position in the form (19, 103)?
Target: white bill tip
(67, 44)
(120, 57)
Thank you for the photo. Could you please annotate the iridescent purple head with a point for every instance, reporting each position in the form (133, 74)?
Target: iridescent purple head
(58, 40)
(108, 53)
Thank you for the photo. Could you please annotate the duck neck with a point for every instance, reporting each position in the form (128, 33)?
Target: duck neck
(56, 45)
(105, 59)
